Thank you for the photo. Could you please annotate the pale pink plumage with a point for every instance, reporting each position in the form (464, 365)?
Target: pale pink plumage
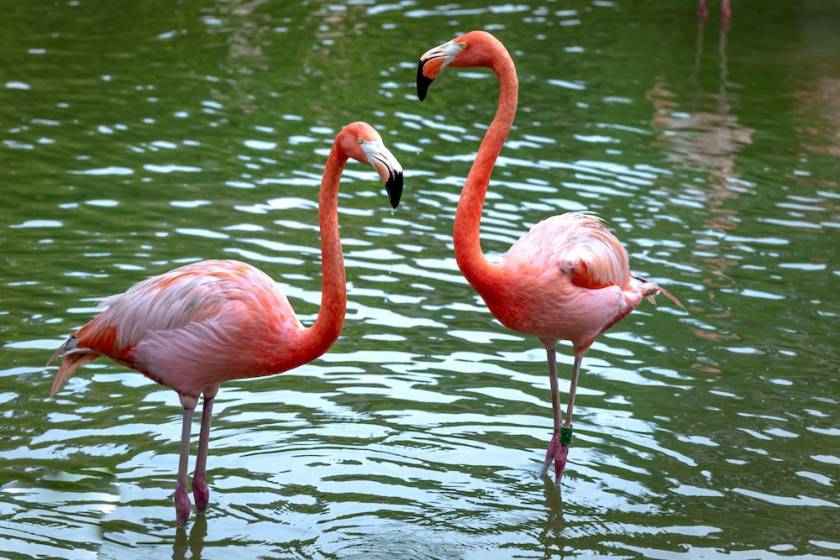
(193, 327)
(573, 277)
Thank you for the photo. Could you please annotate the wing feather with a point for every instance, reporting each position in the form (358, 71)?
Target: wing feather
(581, 246)
(194, 293)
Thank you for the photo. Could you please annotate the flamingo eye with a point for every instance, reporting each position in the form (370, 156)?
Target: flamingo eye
(360, 140)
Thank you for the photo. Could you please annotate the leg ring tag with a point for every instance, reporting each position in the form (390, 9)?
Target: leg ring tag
(565, 435)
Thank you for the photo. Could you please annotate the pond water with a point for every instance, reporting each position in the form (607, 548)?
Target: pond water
(138, 137)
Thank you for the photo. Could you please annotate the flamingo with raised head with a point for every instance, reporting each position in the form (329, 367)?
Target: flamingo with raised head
(568, 278)
(195, 327)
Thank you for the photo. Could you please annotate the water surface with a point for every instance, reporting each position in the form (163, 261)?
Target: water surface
(137, 138)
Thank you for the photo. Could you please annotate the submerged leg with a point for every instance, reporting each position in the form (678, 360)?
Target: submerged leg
(182, 501)
(566, 430)
(201, 492)
(554, 445)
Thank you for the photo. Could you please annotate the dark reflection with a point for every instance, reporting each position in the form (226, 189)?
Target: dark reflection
(552, 532)
(195, 542)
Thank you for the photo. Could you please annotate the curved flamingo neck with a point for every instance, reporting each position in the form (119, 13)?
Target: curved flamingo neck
(319, 337)
(483, 275)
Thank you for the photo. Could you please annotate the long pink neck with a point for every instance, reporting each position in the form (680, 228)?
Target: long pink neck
(319, 337)
(484, 276)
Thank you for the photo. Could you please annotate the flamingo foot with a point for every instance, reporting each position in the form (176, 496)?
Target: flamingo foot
(553, 446)
(182, 505)
(725, 13)
(560, 461)
(557, 452)
(702, 9)
(201, 493)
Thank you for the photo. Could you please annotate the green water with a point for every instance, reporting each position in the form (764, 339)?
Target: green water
(135, 137)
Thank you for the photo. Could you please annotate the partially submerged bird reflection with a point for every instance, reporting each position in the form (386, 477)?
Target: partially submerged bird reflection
(195, 541)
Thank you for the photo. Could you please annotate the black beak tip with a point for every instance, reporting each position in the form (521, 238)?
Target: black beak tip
(394, 186)
(423, 82)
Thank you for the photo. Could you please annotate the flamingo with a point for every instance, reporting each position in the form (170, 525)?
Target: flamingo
(197, 326)
(568, 278)
(725, 10)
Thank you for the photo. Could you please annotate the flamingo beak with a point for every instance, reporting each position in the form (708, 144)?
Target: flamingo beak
(388, 168)
(433, 62)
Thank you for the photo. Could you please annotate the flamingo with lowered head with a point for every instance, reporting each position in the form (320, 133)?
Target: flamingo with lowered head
(568, 278)
(197, 326)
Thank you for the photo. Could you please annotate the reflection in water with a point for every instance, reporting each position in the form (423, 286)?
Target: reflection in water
(819, 104)
(552, 529)
(706, 140)
(195, 542)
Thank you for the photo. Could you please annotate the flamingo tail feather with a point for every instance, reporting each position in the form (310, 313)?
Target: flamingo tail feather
(672, 298)
(651, 289)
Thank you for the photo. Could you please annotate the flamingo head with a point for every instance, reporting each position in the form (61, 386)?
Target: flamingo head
(363, 143)
(476, 48)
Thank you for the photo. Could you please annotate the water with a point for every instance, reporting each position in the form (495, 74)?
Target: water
(137, 138)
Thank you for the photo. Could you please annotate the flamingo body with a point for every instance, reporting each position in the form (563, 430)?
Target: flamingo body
(197, 326)
(568, 278)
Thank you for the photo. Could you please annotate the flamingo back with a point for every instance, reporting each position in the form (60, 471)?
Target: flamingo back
(580, 246)
(190, 327)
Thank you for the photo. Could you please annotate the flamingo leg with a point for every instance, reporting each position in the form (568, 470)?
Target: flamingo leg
(201, 492)
(725, 11)
(566, 430)
(182, 501)
(558, 449)
(573, 389)
(554, 445)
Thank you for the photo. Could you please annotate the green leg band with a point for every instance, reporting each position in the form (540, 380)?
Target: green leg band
(565, 435)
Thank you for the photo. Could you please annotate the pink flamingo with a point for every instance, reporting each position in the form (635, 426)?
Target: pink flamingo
(568, 278)
(205, 323)
(725, 10)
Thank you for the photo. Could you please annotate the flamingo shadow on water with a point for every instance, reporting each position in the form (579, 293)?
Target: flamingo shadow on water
(200, 325)
(568, 278)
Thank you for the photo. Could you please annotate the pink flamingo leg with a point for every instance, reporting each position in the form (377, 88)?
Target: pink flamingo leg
(702, 9)
(563, 452)
(201, 492)
(182, 501)
(553, 446)
(725, 11)
(558, 449)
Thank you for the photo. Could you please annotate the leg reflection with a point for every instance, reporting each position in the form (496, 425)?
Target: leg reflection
(552, 533)
(195, 542)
